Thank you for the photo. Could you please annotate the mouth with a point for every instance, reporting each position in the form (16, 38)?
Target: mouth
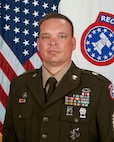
(53, 52)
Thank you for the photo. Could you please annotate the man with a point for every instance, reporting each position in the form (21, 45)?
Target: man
(81, 106)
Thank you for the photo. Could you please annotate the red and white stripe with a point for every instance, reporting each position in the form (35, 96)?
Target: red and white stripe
(10, 67)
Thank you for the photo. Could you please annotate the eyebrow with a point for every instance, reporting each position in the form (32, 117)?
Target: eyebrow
(57, 33)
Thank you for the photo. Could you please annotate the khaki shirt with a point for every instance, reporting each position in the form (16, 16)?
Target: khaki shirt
(46, 75)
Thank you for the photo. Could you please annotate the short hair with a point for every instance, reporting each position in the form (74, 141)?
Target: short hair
(59, 16)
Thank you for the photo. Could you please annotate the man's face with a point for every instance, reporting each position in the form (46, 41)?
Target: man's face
(55, 42)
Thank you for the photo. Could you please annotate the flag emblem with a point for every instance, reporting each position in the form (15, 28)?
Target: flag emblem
(97, 42)
(19, 22)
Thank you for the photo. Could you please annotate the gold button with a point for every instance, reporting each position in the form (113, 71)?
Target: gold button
(20, 116)
(44, 136)
(45, 119)
(76, 120)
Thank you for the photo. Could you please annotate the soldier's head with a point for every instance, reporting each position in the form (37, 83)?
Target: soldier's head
(57, 16)
(56, 40)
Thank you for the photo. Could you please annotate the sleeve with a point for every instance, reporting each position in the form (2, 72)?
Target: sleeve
(8, 132)
(105, 114)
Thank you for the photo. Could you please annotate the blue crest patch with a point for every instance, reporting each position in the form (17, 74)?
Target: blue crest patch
(97, 42)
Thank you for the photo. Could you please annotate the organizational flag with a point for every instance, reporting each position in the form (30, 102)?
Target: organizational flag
(94, 31)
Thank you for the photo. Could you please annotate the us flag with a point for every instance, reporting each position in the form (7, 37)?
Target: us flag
(18, 33)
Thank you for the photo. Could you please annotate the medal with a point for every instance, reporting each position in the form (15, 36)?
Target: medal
(69, 111)
(79, 100)
(75, 133)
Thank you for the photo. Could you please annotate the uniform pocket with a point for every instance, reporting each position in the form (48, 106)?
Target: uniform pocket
(67, 120)
(23, 122)
(74, 123)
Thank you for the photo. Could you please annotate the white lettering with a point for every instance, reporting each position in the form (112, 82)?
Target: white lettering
(102, 18)
(107, 19)
(112, 21)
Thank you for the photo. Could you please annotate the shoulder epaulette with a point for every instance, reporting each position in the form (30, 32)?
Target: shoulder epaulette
(96, 74)
(28, 72)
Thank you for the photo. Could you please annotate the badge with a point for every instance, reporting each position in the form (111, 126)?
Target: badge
(69, 100)
(75, 133)
(82, 112)
(113, 122)
(22, 101)
(79, 100)
(23, 98)
(69, 111)
(24, 95)
(97, 41)
(111, 91)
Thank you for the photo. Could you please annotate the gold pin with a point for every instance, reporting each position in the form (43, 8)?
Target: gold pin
(34, 75)
(74, 77)
(94, 73)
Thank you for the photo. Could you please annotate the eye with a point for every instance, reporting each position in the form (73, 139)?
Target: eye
(62, 36)
(45, 37)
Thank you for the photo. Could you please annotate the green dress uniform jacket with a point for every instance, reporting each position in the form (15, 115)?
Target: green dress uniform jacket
(80, 109)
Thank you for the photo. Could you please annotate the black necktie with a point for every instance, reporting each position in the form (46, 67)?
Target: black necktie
(52, 82)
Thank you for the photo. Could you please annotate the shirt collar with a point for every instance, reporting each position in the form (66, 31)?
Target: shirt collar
(46, 75)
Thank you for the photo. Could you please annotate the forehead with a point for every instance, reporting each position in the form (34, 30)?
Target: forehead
(55, 26)
(55, 21)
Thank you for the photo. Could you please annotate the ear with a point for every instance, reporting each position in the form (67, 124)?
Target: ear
(38, 43)
(74, 43)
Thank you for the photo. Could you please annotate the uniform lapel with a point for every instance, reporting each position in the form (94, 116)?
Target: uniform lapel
(36, 88)
(70, 81)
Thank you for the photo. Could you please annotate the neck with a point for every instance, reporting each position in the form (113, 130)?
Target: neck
(54, 69)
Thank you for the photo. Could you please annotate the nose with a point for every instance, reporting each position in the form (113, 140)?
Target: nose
(53, 41)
